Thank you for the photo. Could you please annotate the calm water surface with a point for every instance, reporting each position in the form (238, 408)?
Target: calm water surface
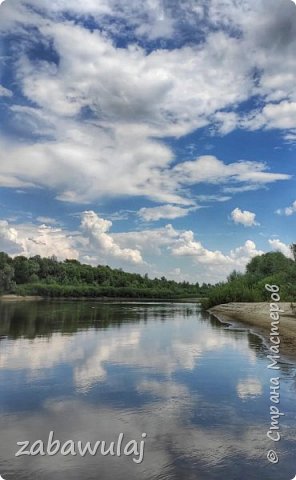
(89, 371)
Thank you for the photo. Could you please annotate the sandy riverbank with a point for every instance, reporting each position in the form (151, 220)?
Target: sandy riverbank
(19, 298)
(257, 317)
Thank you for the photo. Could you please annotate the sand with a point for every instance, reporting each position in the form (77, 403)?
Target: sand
(19, 298)
(256, 316)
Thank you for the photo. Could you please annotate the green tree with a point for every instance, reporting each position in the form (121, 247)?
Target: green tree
(6, 278)
(21, 267)
(293, 250)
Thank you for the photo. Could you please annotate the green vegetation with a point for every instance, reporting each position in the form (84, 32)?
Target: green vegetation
(48, 277)
(270, 268)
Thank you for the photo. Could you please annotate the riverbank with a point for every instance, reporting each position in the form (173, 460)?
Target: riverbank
(256, 316)
(28, 298)
(20, 298)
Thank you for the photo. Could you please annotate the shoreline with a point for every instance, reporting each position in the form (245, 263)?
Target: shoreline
(256, 317)
(19, 298)
(31, 298)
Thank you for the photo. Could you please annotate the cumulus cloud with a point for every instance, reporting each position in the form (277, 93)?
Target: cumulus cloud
(32, 240)
(94, 243)
(47, 241)
(282, 247)
(96, 230)
(288, 211)
(8, 235)
(246, 218)
(171, 243)
(153, 241)
(237, 258)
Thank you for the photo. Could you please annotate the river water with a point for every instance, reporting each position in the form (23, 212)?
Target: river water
(89, 371)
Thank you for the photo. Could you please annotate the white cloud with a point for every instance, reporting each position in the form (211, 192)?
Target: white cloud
(150, 90)
(99, 116)
(164, 211)
(280, 115)
(290, 137)
(227, 121)
(279, 246)
(5, 92)
(243, 175)
(288, 211)
(246, 252)
(88, 155)
(274, 115)
(47, 241)
(47, 220)
(170, 243)
(151, 241)
(94, 243)
(213, 198)
(209, 169)
(242, 188)
(100, 241)
(216, 261)
(270, 27)
(135, 98)
(8, 235)
(188, 246)
(29, 240)
(246, 218)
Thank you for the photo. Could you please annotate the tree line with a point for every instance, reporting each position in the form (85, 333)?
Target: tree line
(49, 277)
(272, 268)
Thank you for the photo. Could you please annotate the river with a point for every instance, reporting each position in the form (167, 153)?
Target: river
(89, 371)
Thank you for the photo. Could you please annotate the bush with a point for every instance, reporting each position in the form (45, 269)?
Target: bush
(272, 268)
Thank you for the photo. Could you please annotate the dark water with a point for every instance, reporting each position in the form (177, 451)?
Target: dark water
(90, 371)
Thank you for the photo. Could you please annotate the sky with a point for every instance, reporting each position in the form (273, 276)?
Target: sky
(155, 136)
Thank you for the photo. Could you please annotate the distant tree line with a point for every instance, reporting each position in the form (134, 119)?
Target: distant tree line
(49, 277)
(270, 268)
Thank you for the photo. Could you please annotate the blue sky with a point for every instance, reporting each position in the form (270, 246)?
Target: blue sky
(154, 136)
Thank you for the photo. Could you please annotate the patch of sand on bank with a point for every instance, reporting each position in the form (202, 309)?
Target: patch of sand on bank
(257, 317)
(19, 298)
